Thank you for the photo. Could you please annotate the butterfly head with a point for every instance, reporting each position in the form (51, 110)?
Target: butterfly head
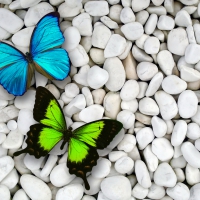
(29, 57)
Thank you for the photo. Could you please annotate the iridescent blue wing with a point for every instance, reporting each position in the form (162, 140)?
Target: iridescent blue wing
(50, 61)
(14, 70)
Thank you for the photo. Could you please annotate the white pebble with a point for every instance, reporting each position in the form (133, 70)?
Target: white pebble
(191, 154)
(187, 104)
(156, 192)
(194, 191)
(165, 23)
(4, 95)
(193, 131)
(179, 133)
(130, 105)
(35, 188)
(115, 68)
(142, 174)
(20, 195)
(127, 118)
(97, 77)
(132, 30)
(191, 53)
(162, 148)
(2, 138)
(139, 191)
(159, 126)
(8, 113)
(71, 90)
(94, 185)
(192, 175)
(151, 24)
(4, 192)
(128, 143)
(70, 192)
(151, 45)
(183, 18)
(127, 15)
(138, 5)
(124, 165)
(6, 165)
(115, 155)
(165, 176)
(109, 22)
(33, 163)
(116, 187)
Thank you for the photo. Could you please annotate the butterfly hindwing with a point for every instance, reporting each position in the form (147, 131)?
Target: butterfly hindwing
(81, 159)
(41, 139)
(14, 70)
(98, 133)
(52, 63)
(47, 110)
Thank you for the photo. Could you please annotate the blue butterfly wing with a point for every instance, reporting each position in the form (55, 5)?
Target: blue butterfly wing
(51, 61)
(13, 69)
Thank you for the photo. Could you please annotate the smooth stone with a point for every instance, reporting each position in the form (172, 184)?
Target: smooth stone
(162, 148)
(183, 18)
(156, 192)
(146, 133)
(179, 162)
(6, 1)
(150, 158)
(187, 104)
(124, 165)
(88, 96)
(2, 138)
(146, 70)
(66, 10)
(154, 84)
(180, 175)
(83, 23)
(72, 38)
(102, 169)
(114, 13)
(64, 25)
(179, 191)
(97, 8)
(33, 163)
(143, 87)
(91, 113)
(190, 33)
(191, 53)
(115, 46)
(97, 55)
(127, 15)
(140, 55)
(78, 56)
(60, 175)
(193, 131)
(9, 21)
(196, 117)
(13, 140)
(100, 36)
(98, 96)
(138, 5)
(3, 152)
(157, 2)
(94, 185)
(159, 126)
(191, 154)
(54, 90)
(25, 120)
(139, 192)
(189, 2)
(151, 24)
(127, 118)
(130, 90)
(151, 45)
(160, 35)
(25, 101)
(4, 34)
(127, 144)
(115, 155)
(6, 166)
(182, 63)
(142, 16)
(177, 41)
(194, 192)
(116, 187)
(3, 104)
(115, 68)
(142, 174)
(88, 197)
(4, 192)
(71, 192)
(109, 22)
(36, 12)
(140, 42)
(165, 176)
(20, 195)
(148, 106)
(189, 74)
(8, 113)
(35, 188)
(132, 30)
(158, 10)
(40, 79)
(71, 90)
(130, 105)
(4, 95)
(4, 128)
(166, 62)
(196, 32)
(111, 104)
(167, 105)
(22, 38)
(97, 77)
(179, 133)
(192, 175)
(173, 85)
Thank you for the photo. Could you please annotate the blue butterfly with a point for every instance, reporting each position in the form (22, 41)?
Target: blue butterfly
(17, 69)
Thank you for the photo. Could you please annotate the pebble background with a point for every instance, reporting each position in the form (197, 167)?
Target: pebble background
(137, 61)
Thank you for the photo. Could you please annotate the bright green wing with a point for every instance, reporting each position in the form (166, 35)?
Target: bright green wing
(47, 110)
(41, 139)
(82, 153)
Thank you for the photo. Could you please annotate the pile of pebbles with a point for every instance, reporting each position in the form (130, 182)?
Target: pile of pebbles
(137, 61)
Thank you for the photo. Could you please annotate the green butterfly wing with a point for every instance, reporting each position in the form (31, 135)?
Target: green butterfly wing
(43, 137)
(82, 153)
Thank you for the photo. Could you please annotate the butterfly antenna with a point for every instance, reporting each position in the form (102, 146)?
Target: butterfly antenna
(20, 152)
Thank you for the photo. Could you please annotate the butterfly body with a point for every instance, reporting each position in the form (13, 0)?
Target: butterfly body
(83, 142)
(45, 56)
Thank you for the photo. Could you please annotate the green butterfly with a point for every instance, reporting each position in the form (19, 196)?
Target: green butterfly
(82, 142)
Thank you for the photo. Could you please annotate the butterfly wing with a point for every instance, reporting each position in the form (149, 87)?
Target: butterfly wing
(41, 139)
(51, 62)
(47, 110)
(82, 154)
(15, 71)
